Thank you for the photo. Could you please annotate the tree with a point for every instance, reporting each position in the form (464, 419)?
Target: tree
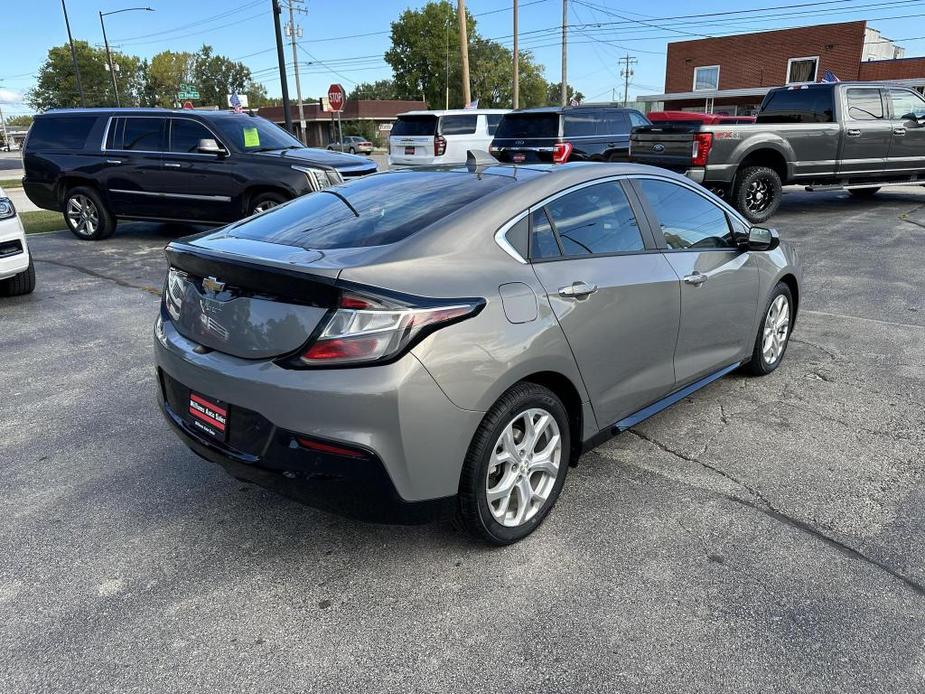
(554, 94)
(19, 121)
(167, 71)
(56, 86)
(380, 89)
(216, 76)
(492, 81)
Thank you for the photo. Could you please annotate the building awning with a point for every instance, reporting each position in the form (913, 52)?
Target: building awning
(703, 94)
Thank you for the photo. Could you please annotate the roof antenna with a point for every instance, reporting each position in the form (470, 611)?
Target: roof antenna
(477, 159)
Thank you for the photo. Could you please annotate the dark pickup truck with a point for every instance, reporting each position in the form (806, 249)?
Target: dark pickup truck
(855, 136)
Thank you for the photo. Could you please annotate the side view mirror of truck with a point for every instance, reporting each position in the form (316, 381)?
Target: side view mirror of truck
(913, 120)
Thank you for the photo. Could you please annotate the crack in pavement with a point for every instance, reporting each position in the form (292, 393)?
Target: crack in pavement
(99, 275)
(768, 509)
(822, 349)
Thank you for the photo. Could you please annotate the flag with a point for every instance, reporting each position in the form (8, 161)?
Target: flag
(829, 76)
(235, 102)
(472, 104)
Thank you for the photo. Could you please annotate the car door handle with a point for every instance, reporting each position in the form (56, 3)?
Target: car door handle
(899, 131)
(172, 165)
(577, 290)
(854, 133)
(114, 161)
(696, 278)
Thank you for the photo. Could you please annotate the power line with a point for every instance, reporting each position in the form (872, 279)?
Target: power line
(198, 22)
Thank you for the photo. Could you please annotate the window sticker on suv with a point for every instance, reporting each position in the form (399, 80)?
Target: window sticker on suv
(251, 137)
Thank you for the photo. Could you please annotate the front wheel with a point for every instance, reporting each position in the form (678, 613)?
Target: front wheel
(773, 333)
(516, 465)
(352, 151)
(86, 215)
(756, 193)
(17, 285)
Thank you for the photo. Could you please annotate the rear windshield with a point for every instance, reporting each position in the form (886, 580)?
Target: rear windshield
(60, 132)
(524, 125)
(797, 106)
(391, 207)
(415, 125)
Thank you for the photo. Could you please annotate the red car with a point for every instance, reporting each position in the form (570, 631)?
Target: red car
(697, 118)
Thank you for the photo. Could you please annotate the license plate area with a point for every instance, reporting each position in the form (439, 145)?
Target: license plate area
(518, 157)
(409, 151)
(208, 415)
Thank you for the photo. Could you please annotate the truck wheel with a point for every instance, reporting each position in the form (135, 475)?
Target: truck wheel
(86, 215)
(756, 193)
(863, 192)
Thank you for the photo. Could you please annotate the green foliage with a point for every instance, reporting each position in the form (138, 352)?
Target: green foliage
(380, 89)
(554, 94)
(56, 86)
(166, 72)
(216, 76)
(19, 121)
(364, 128)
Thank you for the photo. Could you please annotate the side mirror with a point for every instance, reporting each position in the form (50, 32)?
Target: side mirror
(912, 119)
(762, 239)
(210, 146)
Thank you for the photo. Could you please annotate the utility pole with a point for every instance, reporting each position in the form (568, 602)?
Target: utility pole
(516, 96)
(6, 139)
(294, 32)
(464, 51)
(112, 70)
(284, 86)
(447, 78)
(626, 73)
(564, 92)
(70, 40)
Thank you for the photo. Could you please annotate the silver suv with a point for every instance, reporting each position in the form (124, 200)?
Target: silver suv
(454, 339)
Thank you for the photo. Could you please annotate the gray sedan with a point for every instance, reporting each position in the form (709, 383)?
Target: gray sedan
(420, 341)
(353, 144)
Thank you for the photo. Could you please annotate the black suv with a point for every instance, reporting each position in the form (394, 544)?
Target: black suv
(205, 167)
(570, 133)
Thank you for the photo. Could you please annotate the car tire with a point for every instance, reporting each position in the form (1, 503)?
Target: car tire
(265, 201)
(863, 193)
(23, 283)
(768, 352)
(516, 474)
(352, 150)
(756, 193)
(86, 216)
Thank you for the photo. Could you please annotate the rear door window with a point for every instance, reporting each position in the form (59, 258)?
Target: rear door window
(542, 239)
(185, 135)
(865, 104)
(613, 123)
(67, 132)
(458, 125)
(594, 220)
(410, 126)
(797, 106)
(528, 125)
(688, 220)
(143, 134)
(582, 123)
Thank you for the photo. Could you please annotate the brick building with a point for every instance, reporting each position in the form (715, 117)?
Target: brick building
(731, 74)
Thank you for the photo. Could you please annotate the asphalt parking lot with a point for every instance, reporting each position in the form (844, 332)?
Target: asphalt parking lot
(763, 535)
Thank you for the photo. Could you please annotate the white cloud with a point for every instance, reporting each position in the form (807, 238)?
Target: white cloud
(8, 96)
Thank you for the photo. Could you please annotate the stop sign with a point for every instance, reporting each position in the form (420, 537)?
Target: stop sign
(336, 97)
(188, 105)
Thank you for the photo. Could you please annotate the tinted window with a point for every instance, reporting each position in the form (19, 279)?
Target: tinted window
(596, 219)
(637, 119)
(143, 134)
(458, 125)
(186, 134)
(906, 104)
(687, 219)
(613, 123)
(581, 123)
(60, 132)
(390, 207)
(797, 106)
(254, 134)
(865, 104)
(542, 240)
(493, 120)
(526, 125)
(415, 125)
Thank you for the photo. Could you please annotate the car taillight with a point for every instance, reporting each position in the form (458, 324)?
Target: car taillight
(700, 150)
(561, 152)
(439, 145)
(330, 448)
(366, 328)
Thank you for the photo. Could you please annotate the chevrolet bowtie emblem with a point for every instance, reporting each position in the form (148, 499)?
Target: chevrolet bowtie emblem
(210, 284)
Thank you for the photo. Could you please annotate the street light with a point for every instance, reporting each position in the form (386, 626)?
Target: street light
(112, 70)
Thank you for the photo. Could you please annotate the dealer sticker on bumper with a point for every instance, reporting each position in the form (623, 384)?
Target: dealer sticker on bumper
(208, 416)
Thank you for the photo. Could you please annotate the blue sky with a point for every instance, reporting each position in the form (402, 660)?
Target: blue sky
(243, 29)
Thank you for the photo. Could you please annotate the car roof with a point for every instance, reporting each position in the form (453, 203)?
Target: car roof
(455, 112)
(144, 112)
(579, 107)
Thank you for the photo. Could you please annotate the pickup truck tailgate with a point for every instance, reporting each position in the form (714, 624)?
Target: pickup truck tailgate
(667, 146)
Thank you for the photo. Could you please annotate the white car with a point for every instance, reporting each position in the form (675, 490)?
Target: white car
(426, 138)
(17, 272)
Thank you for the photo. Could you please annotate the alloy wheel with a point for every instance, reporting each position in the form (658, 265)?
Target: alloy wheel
(82, 215)
(524, 467)
(776, 330)
(264, 206)
(758, 196)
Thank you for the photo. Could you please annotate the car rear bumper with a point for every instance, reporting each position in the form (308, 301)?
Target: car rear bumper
(414, 439)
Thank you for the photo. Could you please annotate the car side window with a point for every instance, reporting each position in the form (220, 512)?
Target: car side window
(637, 119)
(458, 125)
(185, 135)
(542, 241)
(114, 135)
(493, 120)
(613, 123)
(865, 104)
(581, 123)
(688, 220)
(906, 104)
(594, 220)
(143, 134)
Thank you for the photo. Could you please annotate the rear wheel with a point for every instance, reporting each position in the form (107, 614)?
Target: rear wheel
(266, 201)
(23, 283)
(86, 215)
(863, 192)
(773, 333)
(516, 465)
(757, 192)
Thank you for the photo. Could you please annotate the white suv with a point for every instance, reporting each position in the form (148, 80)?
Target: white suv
(17, 273)
(424, 138)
